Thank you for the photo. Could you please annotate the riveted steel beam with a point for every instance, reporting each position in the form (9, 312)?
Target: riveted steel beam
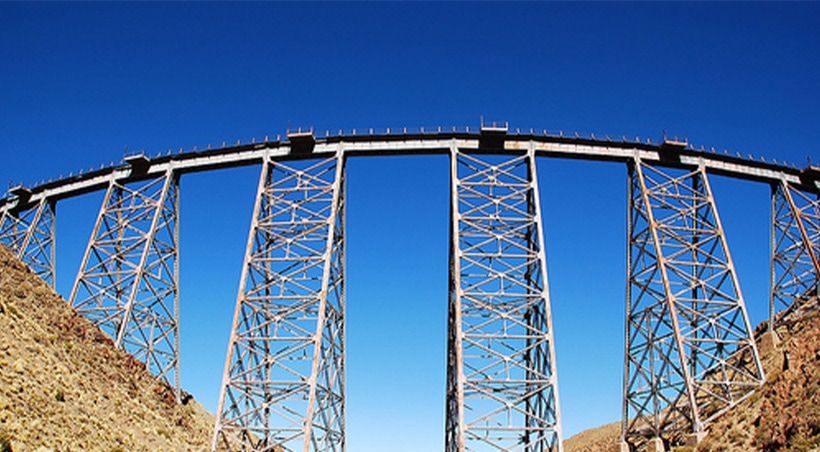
(283, 386)
(690, 354)
(128, 282)
(502, 387)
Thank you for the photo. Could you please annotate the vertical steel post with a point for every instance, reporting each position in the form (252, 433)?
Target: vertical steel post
(795, 247)
(690, 351)
(772, 255)
(4, 211)
(502, 384)
(454, 431)
(628, 330)
(283, 386)
(128, 282)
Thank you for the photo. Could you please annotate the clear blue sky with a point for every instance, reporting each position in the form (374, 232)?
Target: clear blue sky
(80, 82)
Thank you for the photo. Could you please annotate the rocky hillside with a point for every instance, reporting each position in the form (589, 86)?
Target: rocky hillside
(64, 387)
(783, 415)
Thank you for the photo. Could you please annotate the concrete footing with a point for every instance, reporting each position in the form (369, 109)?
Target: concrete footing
(693, 439)
(623, 447)
(768, 342)
(655, 445)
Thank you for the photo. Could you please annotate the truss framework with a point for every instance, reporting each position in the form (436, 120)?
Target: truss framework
(690, 354)
(502, 388)
(283, 387)
(795, 247)
(128, 282)
(30, 234)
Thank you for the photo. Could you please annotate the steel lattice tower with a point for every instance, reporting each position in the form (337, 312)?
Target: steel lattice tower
(283, 388)
(128, 281)
(690, 354)
(502, 389)
(689, 351)
(29, 232)
(795, 247)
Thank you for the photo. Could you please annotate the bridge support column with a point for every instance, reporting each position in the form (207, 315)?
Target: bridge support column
(795, 248)
(502, 388)
(690, 354)
(656, 445)
(28, 230)
(283, 387)
(128, 281)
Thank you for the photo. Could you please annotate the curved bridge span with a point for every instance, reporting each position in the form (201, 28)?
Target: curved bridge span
(690, 354)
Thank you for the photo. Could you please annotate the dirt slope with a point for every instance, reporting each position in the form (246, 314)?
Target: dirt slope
(783, 415)
(64, 387)
(601, 439)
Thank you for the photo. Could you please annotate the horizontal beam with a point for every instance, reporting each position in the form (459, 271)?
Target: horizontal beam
(416, 144)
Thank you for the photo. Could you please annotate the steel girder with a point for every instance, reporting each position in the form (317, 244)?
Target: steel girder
(795, 247)
(690, 354)
(128, 283)
(283, 387)
(30, 234)
(502, 388)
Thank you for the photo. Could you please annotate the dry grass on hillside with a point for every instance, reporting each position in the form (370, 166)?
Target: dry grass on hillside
(601, 439)
(64, 387)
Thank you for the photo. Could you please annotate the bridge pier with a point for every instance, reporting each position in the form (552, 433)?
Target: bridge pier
(502, 388)
(655, 445)
(28, 230)
(690, 354)
(283, 386)
(795, 247)
(693, 439)
(128, 282)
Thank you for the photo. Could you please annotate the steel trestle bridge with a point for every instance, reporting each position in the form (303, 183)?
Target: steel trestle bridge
(690, 353)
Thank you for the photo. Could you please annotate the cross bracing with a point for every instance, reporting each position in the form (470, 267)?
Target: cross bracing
(687, 341)
(690, 352)
(795, 247)
(283, 387)
(128, 281)
(30, 234)
(502, 389)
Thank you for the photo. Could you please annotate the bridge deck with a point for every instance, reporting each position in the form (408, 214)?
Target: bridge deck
(667, 154)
